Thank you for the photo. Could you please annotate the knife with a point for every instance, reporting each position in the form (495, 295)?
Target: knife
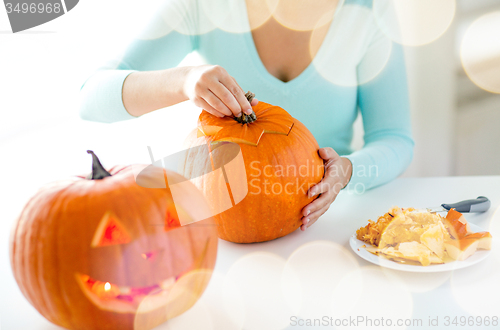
(478, 205)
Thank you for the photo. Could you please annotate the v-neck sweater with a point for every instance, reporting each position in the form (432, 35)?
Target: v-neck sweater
(356, 68)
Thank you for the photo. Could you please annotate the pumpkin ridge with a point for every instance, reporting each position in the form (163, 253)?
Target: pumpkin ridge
(19, 248)
(60, 200)
(33, 265)
(21, 266)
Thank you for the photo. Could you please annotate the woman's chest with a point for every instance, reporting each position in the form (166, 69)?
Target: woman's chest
(286, 53)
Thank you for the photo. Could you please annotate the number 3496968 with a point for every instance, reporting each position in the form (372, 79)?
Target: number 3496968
(33, 8)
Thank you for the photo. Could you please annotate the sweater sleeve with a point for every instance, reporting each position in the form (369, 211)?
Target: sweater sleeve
(384, 105)
(158, 47)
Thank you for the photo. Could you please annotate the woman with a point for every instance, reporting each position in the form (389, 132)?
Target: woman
(320, 60)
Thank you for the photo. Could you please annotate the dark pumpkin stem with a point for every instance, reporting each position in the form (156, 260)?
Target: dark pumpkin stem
(98, 171)
(247, 119)
(250, 96)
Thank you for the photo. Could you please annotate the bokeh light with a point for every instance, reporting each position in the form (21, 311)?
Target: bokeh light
(480, 52)
(317, 267)
(216, 309)
(304, 15)
(319, 34)
(182, 16)
(197, 317)
(181, 296)
(414, 22)
(225, 303)
(226, 15)
(256, 278)
(419, 282)
(233, 15)
(371, 293)
(477, 289)
(266, 9)
(156, 28)
(347, 48)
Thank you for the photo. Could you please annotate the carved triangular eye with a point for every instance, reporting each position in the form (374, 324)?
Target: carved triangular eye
(110, 232)
(172, 218)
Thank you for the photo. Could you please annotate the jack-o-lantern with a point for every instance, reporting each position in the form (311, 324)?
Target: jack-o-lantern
(107, 253)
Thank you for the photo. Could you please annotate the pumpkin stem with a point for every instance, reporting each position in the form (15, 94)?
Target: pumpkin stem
(98, 171)
(250, 96)
(247, 119)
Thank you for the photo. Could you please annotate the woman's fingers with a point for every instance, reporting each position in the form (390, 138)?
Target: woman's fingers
(324, 199)
(236, 94)
(311, 219)
(216, 103)
(331, 178)
(328, 154)
(330, 182)
(218, 89)
(227, 98)
(337, 171)
(201, 103)
(327, 184)
(254, 102)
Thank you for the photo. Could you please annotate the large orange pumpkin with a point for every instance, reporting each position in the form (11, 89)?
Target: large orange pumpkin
(108, 252)
(280, 163)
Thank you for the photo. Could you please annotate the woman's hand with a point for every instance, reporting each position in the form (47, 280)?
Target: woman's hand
(210, 87)
(338, 172)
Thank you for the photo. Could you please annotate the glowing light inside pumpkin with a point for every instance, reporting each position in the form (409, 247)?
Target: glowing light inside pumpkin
(110, 232)
(105, 290)
(110, 291)
(171, 218)
(114, 235)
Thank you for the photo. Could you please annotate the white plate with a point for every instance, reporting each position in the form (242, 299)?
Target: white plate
(478, 256)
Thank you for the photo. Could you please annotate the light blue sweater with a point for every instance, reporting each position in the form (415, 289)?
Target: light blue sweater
(356, 68)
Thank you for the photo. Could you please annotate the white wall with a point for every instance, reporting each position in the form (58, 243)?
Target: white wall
(432, 99)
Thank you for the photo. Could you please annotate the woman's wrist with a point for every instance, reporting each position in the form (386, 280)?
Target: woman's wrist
(346, 171)
(177, 80)
(147, 91)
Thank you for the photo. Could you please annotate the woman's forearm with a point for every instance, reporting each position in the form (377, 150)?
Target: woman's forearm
(210, 87)
(147, 91)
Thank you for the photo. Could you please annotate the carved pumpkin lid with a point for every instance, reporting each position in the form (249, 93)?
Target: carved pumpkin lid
(270, 119)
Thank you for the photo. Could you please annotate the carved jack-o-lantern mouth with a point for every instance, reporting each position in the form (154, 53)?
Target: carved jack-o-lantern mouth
(125, 299)
(110, 296)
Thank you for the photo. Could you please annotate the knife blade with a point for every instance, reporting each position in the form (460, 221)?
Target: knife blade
(478, 205)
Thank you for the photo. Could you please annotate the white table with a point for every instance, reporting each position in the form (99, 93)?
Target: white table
(314, 273)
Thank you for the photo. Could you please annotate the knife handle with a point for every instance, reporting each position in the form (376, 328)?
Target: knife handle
(480, 204)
